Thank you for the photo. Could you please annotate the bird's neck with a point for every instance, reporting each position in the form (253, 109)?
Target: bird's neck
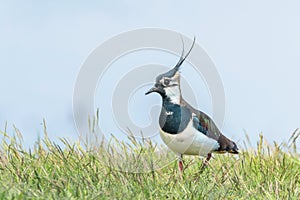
(173, 95)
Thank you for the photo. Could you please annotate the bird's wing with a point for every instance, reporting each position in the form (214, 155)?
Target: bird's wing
(204, 124)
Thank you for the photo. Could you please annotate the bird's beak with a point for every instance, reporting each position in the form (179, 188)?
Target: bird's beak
(153, 89)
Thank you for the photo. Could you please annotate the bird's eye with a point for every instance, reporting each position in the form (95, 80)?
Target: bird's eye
(166, 81)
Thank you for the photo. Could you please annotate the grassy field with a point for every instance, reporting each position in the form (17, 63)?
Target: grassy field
(51, 172)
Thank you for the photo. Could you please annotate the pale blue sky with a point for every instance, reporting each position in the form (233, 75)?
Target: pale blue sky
(255, 46)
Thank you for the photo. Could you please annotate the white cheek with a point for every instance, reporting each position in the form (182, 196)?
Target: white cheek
(173, 93)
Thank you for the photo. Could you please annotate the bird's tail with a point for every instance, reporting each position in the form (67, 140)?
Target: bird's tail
(227, 146)
(234, 149)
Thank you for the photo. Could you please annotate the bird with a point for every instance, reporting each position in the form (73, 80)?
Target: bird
(184, 129)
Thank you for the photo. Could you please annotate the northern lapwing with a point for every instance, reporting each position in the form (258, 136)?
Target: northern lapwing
(184, 129)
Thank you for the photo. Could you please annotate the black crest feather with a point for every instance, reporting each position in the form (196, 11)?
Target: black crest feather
(182, 58)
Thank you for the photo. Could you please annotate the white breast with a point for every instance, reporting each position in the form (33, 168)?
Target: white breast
(189, 142)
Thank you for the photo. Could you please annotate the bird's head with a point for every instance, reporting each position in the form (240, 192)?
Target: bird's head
(168, 84)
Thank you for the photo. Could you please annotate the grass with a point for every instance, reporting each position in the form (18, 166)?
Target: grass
(75, 172)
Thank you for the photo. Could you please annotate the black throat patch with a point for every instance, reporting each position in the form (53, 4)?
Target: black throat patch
(174, 118)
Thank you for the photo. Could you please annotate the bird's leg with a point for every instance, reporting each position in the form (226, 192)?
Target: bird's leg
(205, 163)
(180, 163)
(207, 158)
